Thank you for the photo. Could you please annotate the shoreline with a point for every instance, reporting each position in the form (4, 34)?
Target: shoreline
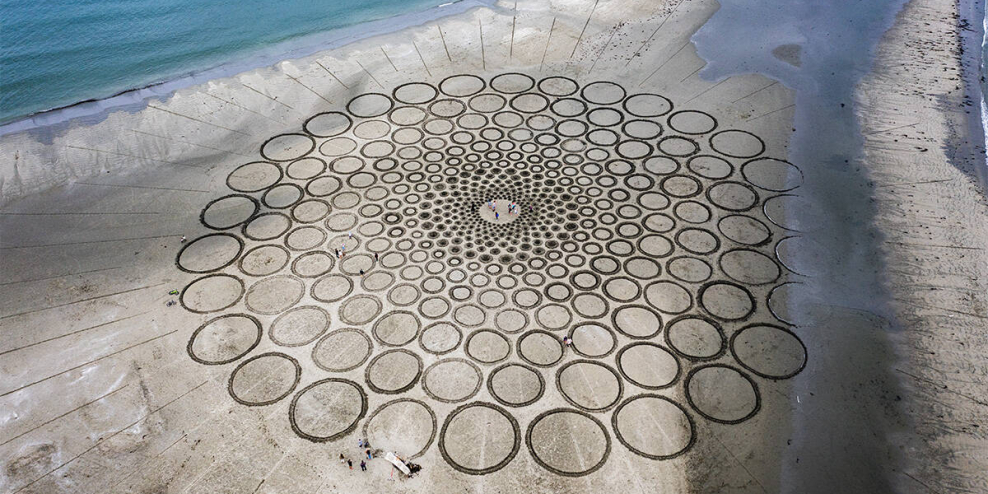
(974, 51)
(299, 48)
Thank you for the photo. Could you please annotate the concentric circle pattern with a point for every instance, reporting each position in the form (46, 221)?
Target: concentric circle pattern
(409, 264)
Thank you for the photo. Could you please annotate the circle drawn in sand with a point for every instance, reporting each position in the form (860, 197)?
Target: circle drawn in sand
(209, 253)
(267, 226)
(440, 338)
(487, 346)
(264, 379)
(452, 380)
(212, 293)
(274, 295)
(654, 426)
(593, 340)
(584, 449)
(477, 427)
(516, 385)
(722, 394)
(393, 372)
(737, 144)
(229, 211)
(589, 385)
(769, 351)
(695, 338)
(328, 124)
(415, 93)
(299, 326)
(342, 350)
(647, 105)
(224, 339)
(772, 174)
(402, 425)
(369, 105)
(396, 328)
(728, 301)
(287, 147)
(327, 409)
(692, 122)
(648, 365)
(254, 177)
(540, 348)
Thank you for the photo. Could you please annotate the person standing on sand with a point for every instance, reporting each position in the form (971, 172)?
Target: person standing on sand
(349, 463)
(342, 458)
(363, 466)
(369, 457)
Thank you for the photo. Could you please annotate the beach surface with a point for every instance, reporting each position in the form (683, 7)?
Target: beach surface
(767, 248)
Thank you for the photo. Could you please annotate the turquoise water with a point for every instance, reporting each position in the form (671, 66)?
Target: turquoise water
(55, 53)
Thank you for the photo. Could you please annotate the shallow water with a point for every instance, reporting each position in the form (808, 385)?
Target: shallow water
(59, 52)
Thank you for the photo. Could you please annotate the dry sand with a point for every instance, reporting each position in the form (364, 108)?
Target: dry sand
(99, 393)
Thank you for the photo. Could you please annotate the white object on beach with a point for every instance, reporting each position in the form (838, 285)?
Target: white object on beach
(397, 463)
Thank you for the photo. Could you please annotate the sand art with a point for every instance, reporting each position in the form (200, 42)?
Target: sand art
(638, 230)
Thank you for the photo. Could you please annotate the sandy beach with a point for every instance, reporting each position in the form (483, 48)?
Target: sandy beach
(773, 278)
(928, 175)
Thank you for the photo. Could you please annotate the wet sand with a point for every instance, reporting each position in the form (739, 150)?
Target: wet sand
(924, 146)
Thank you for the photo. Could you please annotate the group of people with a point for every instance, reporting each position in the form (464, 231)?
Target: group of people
(365, 445)
(368, 455)
(512, 208)
(341, 251)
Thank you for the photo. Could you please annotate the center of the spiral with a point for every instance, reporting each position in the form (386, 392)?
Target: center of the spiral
(501, 211)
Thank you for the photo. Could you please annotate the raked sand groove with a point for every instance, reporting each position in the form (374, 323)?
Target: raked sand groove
(660, 226)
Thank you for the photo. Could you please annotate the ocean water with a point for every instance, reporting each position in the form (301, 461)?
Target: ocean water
(56, 53)
(983, 80)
